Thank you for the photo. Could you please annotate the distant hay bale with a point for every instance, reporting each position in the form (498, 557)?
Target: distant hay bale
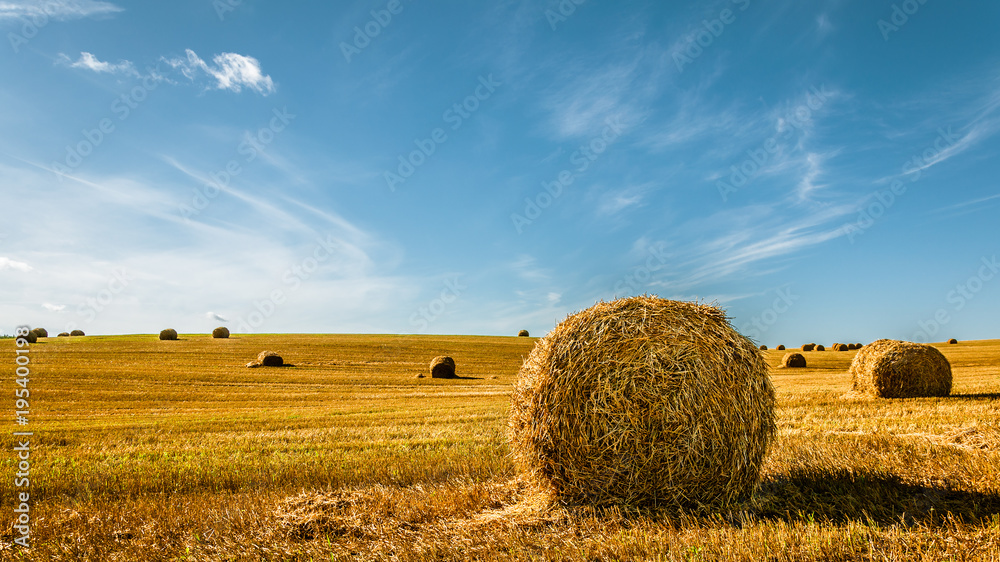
(443, 367)
(898, 369)
(858, 346)
(840, 347)
(523, 334)
(168, 334)
(780, 348)
(221, 332)
(63, 335)
(642, 401)
(952, 340)
(819, 347)
(763, 347)
(267, 359)
(793, 360)
(809, 347)
(41, 332)
(77, 333)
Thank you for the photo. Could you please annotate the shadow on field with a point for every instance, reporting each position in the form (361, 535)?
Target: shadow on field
(983, 396)
(842, 496)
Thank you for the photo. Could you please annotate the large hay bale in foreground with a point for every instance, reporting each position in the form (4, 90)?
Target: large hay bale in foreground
(443, 367)
(643, 401)
(168, 334)
(898, 369)
(808, 347)
(793, 360)
(221, 332)
(77, 333)
(523, 334)
(267, 359)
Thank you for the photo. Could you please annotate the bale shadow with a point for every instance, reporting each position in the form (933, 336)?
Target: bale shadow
(843, 496)
(977, 396)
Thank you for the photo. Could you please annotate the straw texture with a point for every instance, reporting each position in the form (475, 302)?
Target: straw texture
(793, 360)
(898, 369)
(642, 401)
(443, 367)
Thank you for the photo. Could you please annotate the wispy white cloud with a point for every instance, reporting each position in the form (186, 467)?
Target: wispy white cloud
(230, 71)
(7, 263)
(526, 267)
(613, 202)
(53, 307)
(589, 98)
(88, 61)
(56, 9)
(214, 316)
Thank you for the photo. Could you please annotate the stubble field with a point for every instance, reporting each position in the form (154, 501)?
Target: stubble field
(173, 450)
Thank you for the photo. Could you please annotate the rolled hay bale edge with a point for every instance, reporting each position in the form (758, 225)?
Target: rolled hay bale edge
(691, 429)
(897, 369)
(793, 360)
(443, 367)
(221, 332)
(268, 359)
(169, 334)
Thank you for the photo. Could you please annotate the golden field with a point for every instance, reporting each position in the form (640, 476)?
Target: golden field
(174, 450)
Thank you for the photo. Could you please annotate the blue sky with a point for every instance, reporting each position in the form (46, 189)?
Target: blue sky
(825, 171)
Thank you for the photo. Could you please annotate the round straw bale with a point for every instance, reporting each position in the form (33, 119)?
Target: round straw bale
(523, 333)
(898, 369)
(221, 332)
(840, 347)
(763, 347)
(63, 335)
(642, 401)
(41, 332)
(443, 367)
(168, 334)
(808, 347)
(819, 347)
(77, 333)
(31, 336)
(780, 348)
(267, 359)
(952, 340)
(793, 360)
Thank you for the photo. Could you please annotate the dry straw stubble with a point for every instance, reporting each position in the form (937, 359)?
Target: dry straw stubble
(898, 369)
(642, 401)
